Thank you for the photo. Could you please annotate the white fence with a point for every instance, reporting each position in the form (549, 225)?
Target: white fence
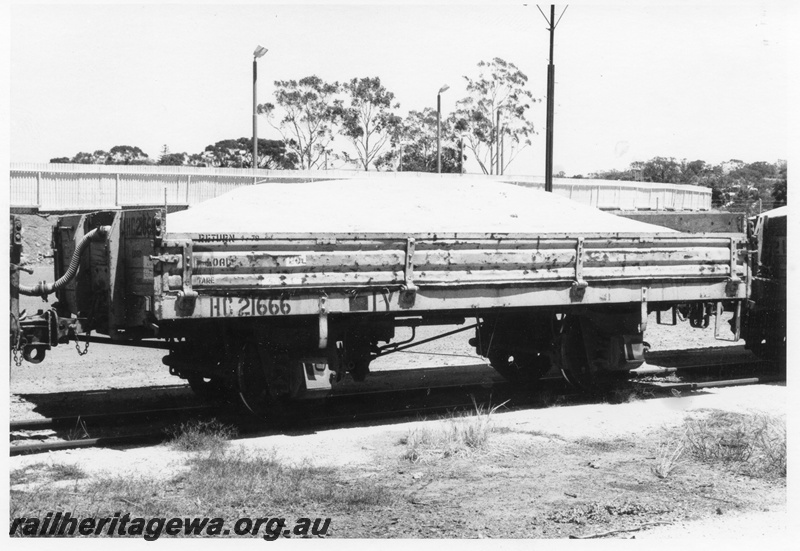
(76, 188)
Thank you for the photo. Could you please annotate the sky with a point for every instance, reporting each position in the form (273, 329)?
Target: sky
(633, 80)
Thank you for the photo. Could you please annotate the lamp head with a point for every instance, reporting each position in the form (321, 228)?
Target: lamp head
(260, 50)
(444, 88)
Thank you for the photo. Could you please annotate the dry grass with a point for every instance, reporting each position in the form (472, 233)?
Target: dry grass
(79, 431)
(44, 472)
(751, 443)
(222, 482)
(66, 472)
(459, 434)
(243, 477)
(669, 457)
(200, 435)
(626, 395)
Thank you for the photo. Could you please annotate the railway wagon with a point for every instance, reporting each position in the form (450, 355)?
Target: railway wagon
(281, 290)
(764, 330)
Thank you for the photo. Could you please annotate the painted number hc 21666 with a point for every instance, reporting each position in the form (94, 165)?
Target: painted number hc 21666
(223, 307)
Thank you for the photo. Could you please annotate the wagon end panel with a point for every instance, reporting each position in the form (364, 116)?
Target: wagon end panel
(85, 296)
(131, 249)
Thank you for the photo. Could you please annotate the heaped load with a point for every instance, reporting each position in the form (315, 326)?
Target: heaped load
(401, 205)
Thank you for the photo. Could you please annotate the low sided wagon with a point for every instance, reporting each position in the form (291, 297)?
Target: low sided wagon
(270, 305)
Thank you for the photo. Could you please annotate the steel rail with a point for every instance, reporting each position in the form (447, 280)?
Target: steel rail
(252, 427)
(103, 419)
(349, 408)
(105, 441)
(710, 384)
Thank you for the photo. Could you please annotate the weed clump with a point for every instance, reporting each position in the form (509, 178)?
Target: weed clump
(461, 434)
(63, 471)
(669, 457)
(199, 435)
(752, 443)
(40, 472)
(242, 478)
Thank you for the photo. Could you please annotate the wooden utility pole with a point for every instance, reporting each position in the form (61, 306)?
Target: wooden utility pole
(551, 85)
(551, 69)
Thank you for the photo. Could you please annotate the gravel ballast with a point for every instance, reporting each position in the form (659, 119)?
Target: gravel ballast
(404, 205)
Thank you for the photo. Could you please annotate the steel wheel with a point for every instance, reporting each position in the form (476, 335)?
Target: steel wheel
(519, 368)
(253, 381)
(207, 389)
(360, 369)
(575, 365)
(579, 367)
(768, 349)
(586, 369)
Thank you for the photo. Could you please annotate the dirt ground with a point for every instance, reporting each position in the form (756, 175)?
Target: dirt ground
(549, 473)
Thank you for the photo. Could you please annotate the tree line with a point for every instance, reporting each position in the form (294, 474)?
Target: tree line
(735, 185)
(356, 123)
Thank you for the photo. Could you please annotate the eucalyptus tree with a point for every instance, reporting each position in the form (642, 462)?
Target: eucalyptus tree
(414, 145)
(368, 119)
(126, 155)
(118, 155)
(310, 113)
(498, 88)
(232, 153)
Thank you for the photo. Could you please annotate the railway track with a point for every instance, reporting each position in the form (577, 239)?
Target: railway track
(153, 426)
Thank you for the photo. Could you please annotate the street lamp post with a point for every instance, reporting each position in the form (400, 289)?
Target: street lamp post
(260, 51)
(461, 155)
(400, 166)
(497, 145)
(439, 128)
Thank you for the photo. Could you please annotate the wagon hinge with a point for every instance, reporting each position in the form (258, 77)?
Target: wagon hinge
(579, 285)
(166, 258)
(643, 312)
(409, 268)
(187, 292)
(323, 321)
(408, 294)
(732, 286)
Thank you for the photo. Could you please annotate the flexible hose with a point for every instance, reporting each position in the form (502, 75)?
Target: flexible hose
(43, 288)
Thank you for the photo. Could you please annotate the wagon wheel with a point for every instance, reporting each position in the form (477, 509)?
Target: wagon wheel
(758, 345)
(252, 373)
(208, 389)
(580, 367)
(360, 369)
(768, 349)
(575, 366)
(526, 367)
(585, 368)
